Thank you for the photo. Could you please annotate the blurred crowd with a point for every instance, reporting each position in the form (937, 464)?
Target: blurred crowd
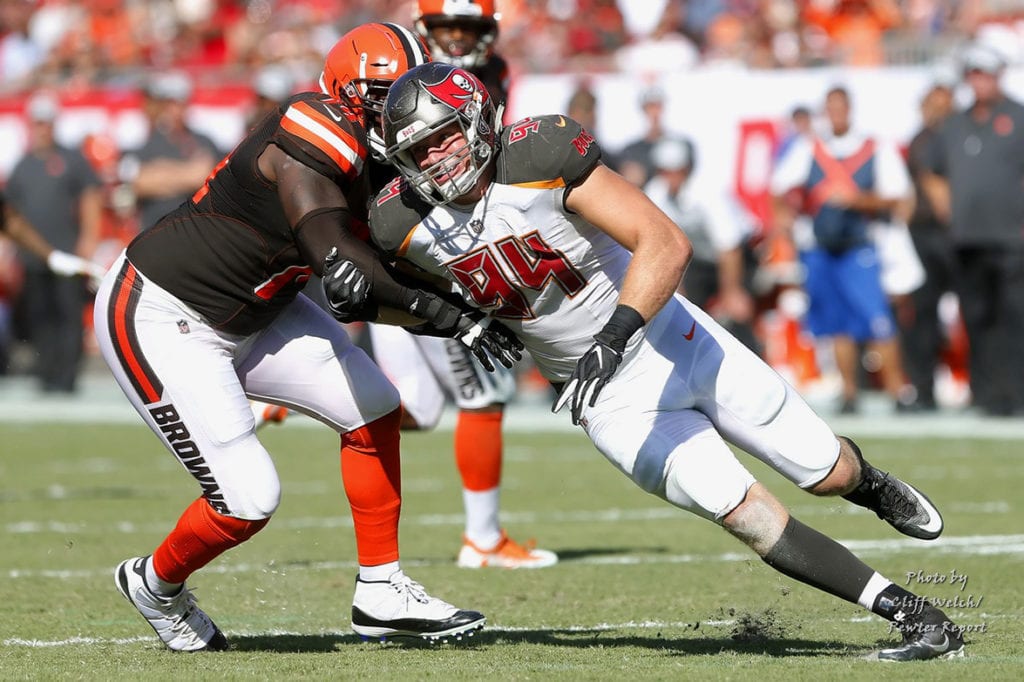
(165, 49)
(73, 43)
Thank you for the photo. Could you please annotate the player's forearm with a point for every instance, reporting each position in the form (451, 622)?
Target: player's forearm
(654, 275)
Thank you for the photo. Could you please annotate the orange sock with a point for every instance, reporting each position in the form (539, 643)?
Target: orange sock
(371, 470)
(478, 447)
(201, 535)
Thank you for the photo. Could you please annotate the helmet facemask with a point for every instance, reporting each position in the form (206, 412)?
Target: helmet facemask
(372, 92)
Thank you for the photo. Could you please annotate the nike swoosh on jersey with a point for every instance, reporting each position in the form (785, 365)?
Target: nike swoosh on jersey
(310, 124)
(689, 335)
(560, 122)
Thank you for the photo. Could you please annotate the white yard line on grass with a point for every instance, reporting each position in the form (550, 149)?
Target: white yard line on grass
(974, 545)
(614, 515)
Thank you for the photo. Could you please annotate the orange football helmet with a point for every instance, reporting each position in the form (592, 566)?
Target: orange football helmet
(479, 16)
(364, 63)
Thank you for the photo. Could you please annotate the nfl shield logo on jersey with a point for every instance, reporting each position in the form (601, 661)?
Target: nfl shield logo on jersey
(183, 327)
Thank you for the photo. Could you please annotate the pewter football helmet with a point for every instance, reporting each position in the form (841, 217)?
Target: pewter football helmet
(424, 100)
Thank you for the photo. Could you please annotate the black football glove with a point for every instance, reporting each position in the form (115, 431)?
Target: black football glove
(592, 372)
(482, 335)
(488, 338)
(599, 363)
(347, 289)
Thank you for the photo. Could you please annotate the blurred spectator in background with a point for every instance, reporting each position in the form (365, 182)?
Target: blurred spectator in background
(635, 161)
(582, 107)
(658, 47)
(20, 55)
(22, 235)
(922, 334)
(854, 28)
(801, 125)
(977, 161)
(844, 180)
(718, 231)
(174, 159)
(56, 191)
(273, 84)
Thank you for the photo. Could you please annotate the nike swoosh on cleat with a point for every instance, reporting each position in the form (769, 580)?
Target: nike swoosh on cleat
(689, 335)
(560, 122)
(934, 524)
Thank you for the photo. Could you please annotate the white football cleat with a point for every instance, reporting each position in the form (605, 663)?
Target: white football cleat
(177, 621)
(400, 607)
(506, 554)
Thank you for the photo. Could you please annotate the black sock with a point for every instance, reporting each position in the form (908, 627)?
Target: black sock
(894, 599)
(813, 558)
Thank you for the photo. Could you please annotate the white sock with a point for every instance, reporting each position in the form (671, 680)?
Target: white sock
(158, 585)
(870, 593)
(482, 526)
(378, 573)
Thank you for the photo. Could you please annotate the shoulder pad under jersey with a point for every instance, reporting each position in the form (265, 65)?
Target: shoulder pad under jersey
(394, 212)
(549, 151)
(322, 133)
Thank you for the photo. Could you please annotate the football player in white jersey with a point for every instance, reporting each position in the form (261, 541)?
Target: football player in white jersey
(584, 268)
(428, 371)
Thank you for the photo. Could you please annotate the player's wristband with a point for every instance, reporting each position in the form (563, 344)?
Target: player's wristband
(624, 322)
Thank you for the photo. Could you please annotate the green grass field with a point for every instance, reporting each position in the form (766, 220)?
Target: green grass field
(643, 590)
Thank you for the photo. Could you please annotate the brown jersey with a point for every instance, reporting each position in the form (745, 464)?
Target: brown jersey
(230, 252)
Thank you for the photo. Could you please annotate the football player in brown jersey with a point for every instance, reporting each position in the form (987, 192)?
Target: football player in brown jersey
(462, 33)
(204, 309)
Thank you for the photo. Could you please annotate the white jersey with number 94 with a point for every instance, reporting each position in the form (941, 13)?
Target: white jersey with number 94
(518, 254)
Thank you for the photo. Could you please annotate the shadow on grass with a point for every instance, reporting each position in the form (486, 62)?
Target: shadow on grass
(589, 552)
(574, 638)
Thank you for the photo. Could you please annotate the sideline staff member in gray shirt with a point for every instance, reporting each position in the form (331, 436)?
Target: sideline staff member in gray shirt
(175, 159)
(57, 193)
(977, 180)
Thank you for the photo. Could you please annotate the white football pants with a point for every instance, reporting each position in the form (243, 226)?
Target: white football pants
(190, 382)
(426, 369)
(687, 390)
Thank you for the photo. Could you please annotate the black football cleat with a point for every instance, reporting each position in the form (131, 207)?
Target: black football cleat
(927, 635)
(899, 504)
